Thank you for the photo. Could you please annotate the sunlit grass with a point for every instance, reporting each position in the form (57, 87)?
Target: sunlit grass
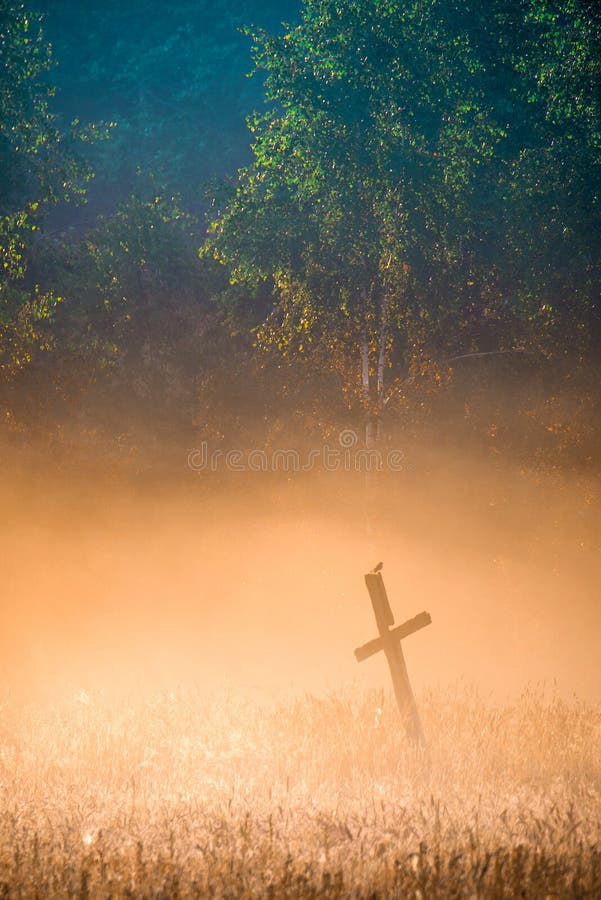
(182, 794)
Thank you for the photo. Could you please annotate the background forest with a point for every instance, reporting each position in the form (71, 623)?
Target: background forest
(408, 237)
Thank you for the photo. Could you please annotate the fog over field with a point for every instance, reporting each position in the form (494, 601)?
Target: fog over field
(182, 714)
(256, 579)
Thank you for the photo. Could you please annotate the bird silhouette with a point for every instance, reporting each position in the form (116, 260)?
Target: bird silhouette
(378, 568)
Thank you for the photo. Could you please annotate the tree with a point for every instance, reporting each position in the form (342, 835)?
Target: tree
(131, 331)
(362, 175)
(393, 180)
(39, 168)
(553, 184)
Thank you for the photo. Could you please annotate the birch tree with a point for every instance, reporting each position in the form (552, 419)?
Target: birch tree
(384, 177)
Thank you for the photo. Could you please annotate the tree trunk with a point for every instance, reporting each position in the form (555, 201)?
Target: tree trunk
(367, 398)
(381, 365)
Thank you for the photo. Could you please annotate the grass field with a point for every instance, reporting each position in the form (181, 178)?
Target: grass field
(180, 794)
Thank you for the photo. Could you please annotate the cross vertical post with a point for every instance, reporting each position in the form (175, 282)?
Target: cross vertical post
(390, 642)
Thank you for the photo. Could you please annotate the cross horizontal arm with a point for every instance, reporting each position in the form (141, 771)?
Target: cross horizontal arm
(398, 633)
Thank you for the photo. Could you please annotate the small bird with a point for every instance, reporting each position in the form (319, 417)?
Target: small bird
(378, 567)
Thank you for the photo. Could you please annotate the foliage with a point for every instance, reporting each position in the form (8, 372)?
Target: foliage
(394, 179)
(134, 311)
(39, 168)
(554, 184)
(424, 187)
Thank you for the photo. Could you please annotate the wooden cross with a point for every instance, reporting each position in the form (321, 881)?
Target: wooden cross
(390, 642)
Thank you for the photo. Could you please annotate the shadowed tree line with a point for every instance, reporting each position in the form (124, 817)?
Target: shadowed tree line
(411, 240)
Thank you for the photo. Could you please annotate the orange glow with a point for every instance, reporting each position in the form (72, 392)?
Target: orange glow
(182, 703)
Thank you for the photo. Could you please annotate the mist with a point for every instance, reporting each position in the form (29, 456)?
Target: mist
(255, 580)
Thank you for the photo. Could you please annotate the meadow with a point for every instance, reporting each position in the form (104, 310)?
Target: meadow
(186, 793)
(181, 712)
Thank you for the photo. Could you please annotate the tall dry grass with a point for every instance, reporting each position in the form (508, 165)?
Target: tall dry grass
(183, 794)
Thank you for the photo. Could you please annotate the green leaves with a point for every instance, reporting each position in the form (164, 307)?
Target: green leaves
(433, 160)
(39, 167)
